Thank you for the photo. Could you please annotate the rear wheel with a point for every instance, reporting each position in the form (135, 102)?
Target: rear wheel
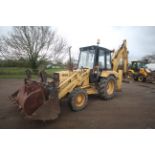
(78, 99)
(135, 76)
(107, 87)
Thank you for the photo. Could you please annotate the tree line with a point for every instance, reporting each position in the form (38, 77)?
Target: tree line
(31, 46)
(149, 58)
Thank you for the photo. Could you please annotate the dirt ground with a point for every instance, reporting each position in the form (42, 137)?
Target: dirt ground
(134, 107)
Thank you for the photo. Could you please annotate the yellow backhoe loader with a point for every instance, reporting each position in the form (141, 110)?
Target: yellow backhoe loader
(97, 73)
(139, 72)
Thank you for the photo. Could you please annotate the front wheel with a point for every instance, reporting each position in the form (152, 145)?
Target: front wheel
(107, 87)
(130, 75)
(78, 99)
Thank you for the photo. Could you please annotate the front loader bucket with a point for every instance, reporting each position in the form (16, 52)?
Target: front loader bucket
(37, 102)
(46, 112)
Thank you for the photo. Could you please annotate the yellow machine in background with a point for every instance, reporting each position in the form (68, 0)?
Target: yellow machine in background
(97, 73)
(139, 72)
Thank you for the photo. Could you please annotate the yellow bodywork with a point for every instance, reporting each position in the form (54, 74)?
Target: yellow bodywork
(120, 57)
(143, 72)
(68, 80)
(131, 71)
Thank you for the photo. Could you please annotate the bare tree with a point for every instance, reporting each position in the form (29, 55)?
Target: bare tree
(34, 43)
(4, 52)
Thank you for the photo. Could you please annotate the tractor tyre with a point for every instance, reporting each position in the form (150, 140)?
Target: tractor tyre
(130, 75)
(135, 77)
(78, 99)
(141, 78)
(107, 87)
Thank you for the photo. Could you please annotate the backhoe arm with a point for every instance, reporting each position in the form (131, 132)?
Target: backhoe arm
(121, 55)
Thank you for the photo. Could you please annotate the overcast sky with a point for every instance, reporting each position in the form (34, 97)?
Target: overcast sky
(141, 40)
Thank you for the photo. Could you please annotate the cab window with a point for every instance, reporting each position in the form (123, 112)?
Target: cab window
(108, 55)
(101, 59)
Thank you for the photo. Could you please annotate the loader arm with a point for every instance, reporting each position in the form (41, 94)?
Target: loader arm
(76, 79)
(121, 54)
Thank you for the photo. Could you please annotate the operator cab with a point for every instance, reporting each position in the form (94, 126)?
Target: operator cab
(136, 65)
(92, 56)
(96, 59)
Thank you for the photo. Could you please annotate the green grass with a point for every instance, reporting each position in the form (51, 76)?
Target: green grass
(12, 71)
(52, 70)
(19, 73)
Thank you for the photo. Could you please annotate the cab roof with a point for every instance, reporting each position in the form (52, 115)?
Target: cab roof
(93, 47)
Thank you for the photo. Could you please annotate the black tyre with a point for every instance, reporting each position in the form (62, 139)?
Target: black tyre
(107, 87)
(141, 78)
(78, 99)
(130, 75)
(135, 77)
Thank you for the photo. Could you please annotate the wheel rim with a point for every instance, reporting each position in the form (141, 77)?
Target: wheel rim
(140, 79)
(110, 87)
(79, 100)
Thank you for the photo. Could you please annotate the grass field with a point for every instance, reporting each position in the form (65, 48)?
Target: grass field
(19, 73)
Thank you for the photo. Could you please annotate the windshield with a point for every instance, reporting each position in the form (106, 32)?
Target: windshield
(86, 59)
(141, 65)
(138, 65)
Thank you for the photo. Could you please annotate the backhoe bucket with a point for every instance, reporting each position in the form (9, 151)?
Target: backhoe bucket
(37, 102)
